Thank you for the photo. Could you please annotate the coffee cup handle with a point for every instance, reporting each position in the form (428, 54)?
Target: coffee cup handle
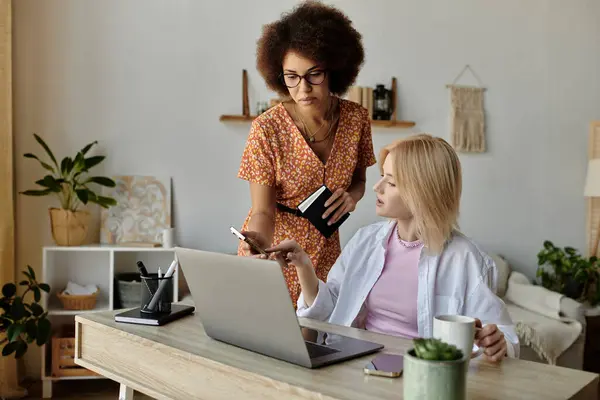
(480, 350)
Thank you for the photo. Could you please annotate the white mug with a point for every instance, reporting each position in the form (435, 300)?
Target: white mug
(457, 330)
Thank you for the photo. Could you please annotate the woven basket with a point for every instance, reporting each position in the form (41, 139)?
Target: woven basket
(78, 302)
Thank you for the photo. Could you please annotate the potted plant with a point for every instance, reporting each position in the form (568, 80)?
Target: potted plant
(70, 183)
(435, 370)
(21, 322)
(564, 270)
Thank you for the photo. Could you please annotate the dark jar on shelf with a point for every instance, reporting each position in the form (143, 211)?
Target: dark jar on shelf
(382, 103)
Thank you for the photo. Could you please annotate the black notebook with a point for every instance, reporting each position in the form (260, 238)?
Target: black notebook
(313, 209)
(135, 316)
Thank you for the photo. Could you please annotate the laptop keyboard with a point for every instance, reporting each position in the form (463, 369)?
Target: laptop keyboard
(315, 350)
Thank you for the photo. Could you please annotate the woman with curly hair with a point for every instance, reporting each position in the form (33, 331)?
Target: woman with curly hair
(311, 55)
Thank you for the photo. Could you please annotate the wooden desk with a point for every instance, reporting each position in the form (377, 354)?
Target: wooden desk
(178, 361)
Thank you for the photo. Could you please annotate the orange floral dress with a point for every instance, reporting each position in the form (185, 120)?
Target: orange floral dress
(277, 155)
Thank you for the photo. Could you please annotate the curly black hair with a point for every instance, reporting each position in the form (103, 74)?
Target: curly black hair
(315, 31)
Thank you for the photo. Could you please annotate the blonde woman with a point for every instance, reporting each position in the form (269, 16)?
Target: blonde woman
(393, 277)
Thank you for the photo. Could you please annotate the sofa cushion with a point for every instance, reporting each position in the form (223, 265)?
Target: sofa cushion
(503, 274)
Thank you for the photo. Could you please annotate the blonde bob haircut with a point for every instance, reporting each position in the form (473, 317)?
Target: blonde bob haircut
(427, 171)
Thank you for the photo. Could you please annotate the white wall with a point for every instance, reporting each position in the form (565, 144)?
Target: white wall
(148, 79)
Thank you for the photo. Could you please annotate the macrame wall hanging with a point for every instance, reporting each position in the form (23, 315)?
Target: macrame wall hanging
(467, 115)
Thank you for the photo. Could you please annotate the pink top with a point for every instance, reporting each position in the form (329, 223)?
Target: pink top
(392, 302)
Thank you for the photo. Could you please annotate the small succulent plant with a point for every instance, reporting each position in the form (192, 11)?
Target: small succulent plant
(436, 350)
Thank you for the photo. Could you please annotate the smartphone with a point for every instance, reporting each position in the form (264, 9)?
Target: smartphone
(388, 365)
(251, 242)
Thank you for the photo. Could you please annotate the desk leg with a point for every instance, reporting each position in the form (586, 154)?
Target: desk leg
(47, 389)
(125, 393)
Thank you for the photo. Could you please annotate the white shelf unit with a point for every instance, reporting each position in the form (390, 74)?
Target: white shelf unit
(99, 265)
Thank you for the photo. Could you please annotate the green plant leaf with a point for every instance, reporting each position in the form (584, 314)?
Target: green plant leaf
(101, 180)
(31, 329)
(43, 332)
(45, 146)
(109, 201)
(24, 283)
(50, 182)
(45, 165)
(45, 287)
(78, 164)
(37, 192)
(9, 348)
(17, 308)
(36, 309)
(66, 166)
(37, 294)
(31, 272)
(14, 331)
(82, 194)
(88, 147)
(21, 349)
(9, 290)
(93, 161)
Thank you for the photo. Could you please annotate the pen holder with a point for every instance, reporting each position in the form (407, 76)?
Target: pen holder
(157, 294)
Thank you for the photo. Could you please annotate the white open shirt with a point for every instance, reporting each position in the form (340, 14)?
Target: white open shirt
(462, 280)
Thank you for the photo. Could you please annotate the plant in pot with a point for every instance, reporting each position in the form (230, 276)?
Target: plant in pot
(23, 322)
(70, 182)
(564, 270)
(434, 369)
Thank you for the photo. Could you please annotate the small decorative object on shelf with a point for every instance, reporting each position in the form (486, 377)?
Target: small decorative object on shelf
(382, 103)
(23, 323)
(435, 370)
(70, 183)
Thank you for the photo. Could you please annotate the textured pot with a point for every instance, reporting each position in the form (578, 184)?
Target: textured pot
(434, 380)
(69, 228)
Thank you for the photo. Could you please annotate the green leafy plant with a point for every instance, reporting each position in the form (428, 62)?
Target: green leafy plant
(69, 181)
(436, 350)
(23, 322)
(565, 271)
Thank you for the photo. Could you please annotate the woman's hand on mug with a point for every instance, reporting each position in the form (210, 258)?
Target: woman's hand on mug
(340, 203)
(289, 252)
(492, 339)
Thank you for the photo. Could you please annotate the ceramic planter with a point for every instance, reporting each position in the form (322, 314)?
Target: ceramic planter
(434, 380)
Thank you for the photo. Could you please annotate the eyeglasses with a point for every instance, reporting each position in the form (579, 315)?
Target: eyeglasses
(315, 77)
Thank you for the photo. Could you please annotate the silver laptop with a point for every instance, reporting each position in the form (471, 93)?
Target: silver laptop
(245, 302)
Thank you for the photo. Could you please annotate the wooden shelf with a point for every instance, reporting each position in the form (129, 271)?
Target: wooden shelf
(392, 124)
(377, 123)
(237, 118)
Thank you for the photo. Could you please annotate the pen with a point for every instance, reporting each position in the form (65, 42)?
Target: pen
(160, 275)
(142, 268)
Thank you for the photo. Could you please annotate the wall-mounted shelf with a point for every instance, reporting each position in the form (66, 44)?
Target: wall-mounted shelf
(237, 118)
(392, 124)
(246, 117)
(377, 123)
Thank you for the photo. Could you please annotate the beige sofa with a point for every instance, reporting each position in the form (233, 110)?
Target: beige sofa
(572, 357)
